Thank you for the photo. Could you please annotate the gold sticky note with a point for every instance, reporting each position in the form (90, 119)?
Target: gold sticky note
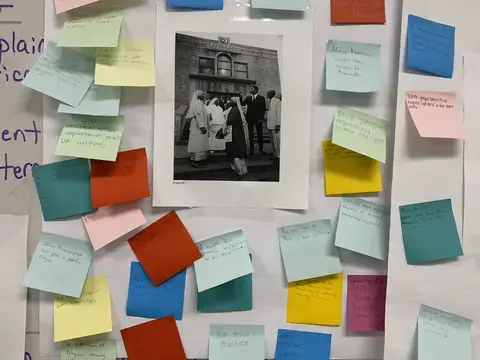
(348, 172)
(88, 315)
(316, 301)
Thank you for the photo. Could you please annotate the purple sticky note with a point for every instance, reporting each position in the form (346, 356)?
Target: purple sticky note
(366, 295)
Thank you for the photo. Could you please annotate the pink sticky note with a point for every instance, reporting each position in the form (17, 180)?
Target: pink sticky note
(436, 114)
(111, 222)
(366, 295)
(65, 5)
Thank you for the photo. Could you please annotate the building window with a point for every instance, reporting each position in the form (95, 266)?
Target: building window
(206, 66)
(241, 70)
(224, 66)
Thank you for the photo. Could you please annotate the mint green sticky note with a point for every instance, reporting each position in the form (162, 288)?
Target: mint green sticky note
(89, 349)
(353, 67)
(363, 227)
(443, 335)
(360, 132)
(292, 5)
(59, 265)
(237, 342)
(99, 101)
(61, 73)
(91, 137)
(308, 250)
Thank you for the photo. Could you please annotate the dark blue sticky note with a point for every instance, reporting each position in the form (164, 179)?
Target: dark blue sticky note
(63, 188)
(302, 345)
(197, 4)
(150, 301)
(430, 46)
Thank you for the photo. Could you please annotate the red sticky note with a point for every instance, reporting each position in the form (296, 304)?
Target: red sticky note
(366, 295)
(156, 339)
(358, 11)
(164, 248)
(123, 180)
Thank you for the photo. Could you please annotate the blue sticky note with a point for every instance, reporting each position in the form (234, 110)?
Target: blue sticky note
(430, 46)
(149, 301)
(197, 4)
(302, 345)
(99, 101)
(63, 188)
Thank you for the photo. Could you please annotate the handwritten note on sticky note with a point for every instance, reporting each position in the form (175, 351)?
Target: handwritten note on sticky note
(91, 137)
(357, 11)
(150, 301)
(308, 250)
(348, 172)
(291, 5)
(366, 296)
(64, 5)
(430, 46)
(353, 67)
(63, 188)
(225, 258)
(316, 301)
(91, 28)
(429, 231)
(302, 345)
(60, 265)
(98, 101)
(197, 4)
(443, 335)
(89, 315)
(61, 73)
(86, 349)
(360, 132)
(237, 342)
(370, 224)
(129, 64)
(435, 114)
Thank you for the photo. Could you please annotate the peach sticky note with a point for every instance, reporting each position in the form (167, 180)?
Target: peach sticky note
(65, 5)
(121, 181)
(358, 11)
(111, 222)
(435, 114)
(348, 172)
(164, 248)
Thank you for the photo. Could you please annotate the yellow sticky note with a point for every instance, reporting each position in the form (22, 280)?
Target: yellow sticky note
(88, 315)
(316, 301)
(348, 172)
(131, 63)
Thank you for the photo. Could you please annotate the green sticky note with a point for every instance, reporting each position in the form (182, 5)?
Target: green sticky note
(291, 5)
(91, 137)
(237, 342)
(99, 101)
(429, 231)
(89, 349)
(353, 67)
(91, 28)
(443, 335)
(235, 295)
(308, 250)
(360, 132)
(363, 227)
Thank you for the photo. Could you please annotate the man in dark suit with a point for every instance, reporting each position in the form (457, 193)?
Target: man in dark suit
(256, 107)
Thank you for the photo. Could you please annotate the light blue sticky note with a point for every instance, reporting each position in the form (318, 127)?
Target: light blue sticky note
(292, 5)
(353, 67)
(153, 302)
(237, 342)
(443, 335)
(225, 258)
(61, 73)
(302, 345)
(308, 250)
(197, 4)
(370, 224)
(430, 46)
(98, 101)
(59, 265)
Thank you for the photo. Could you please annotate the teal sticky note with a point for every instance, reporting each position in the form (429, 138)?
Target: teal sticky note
(61, 73)
(443, 335)
(59, 265)
(353, 67)
(98, 101)
(63, 188)
(292, 5)
(235, 295)
(363, 227)
(237, 342)
(308, 250)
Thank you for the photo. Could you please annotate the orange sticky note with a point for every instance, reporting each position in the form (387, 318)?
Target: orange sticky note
(164, 248)
(156, 339)
(121, 181)
(358, 11)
